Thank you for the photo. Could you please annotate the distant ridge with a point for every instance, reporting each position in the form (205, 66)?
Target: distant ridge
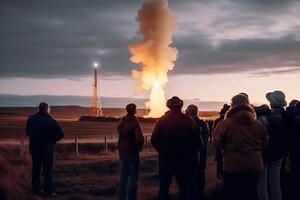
(10, 100)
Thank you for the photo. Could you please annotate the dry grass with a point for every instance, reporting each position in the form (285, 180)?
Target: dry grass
(93, 174)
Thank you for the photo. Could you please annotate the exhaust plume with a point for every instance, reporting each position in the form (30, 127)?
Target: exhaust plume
(154, 53)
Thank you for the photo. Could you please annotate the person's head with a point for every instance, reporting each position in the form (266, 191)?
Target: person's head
(192, 110)
(262, 110)
(276, 99)
(293, 102)
(175, 103)
(239, 99)
(44, 107)
(131, 109)
(225, 108)
(243, 93)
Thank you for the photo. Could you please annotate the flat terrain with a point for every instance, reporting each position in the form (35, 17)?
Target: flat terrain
(94, 174)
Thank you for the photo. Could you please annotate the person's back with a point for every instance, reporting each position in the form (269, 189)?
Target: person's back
(245, 139)
(131, 141)
(242, 139)
(173, 135)
(130, 135)
(43, 132)
(295, 154)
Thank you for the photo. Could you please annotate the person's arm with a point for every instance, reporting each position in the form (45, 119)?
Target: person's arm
(27, 129)
(219, 134)
(264, 135)
(58, 132)
(139, 136)
(119, 126)
(156, 136)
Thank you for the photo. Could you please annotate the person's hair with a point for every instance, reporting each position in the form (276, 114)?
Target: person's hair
(43, 107)
(245, 94)
(131, 109)
(192, 110)
(293, 102)
(239, 99)
(225, 108)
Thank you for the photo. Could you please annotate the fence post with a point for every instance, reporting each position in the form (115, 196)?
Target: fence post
(105, 143)
(22, 149)
(76, 146)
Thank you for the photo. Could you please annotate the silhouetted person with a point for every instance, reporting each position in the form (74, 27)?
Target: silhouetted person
(131, 141)
(44, 132)
(173, 137)
(295, 154)
(219, 155)
(242, 139)
(277, 123)
(200, 154)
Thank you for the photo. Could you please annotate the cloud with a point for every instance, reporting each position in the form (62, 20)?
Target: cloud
(61, 38)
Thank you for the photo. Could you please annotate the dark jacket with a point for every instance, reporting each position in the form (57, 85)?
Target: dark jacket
(131, 139)
(43, 131)
(202, 130)
(278, 126)
(295, 137)
(242, 139)
(174, 135)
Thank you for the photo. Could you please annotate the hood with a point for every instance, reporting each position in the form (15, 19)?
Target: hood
(243, 114)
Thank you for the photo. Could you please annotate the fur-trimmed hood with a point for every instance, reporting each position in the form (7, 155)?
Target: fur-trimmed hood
(243, 114)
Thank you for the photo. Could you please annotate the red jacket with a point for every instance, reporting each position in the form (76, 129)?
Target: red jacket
(131, 139)
(174, 135)
(242, 139)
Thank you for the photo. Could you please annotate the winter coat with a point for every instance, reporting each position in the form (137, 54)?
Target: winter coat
(242, 139)
(174, 135)
(278, 126)
(295, 137)
(131, 139)
(43, 132)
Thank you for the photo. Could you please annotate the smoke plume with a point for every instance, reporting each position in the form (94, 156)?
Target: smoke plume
(154, 53)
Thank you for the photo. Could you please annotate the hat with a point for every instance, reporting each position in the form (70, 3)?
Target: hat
(174, 102)
(276, 98)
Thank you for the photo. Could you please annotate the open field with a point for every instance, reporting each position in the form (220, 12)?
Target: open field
(92, 175)
(13, 120)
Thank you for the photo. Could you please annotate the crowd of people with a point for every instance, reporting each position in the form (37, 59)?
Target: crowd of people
(257, 149)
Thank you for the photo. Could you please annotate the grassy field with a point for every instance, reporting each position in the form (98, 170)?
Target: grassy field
(93, 174)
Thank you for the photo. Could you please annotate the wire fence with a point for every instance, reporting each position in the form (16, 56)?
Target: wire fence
(104, 141)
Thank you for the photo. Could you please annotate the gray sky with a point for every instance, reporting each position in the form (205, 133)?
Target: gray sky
(60, 39)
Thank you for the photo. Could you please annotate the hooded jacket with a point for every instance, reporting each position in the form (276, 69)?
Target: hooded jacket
(242, 139)
(174, 135)
(131, 139)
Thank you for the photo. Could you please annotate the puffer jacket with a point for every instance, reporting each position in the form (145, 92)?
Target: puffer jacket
(131, 139)
(242, 139)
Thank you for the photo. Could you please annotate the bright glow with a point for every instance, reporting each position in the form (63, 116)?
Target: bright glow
(157, 101)
(95, 64)
(154, 53)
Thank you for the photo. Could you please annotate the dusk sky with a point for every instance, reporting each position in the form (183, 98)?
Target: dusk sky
(225, 47)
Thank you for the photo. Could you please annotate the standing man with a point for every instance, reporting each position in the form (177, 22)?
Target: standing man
(200, 155)
(44, 132)
(173, 137)
(131, 141)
